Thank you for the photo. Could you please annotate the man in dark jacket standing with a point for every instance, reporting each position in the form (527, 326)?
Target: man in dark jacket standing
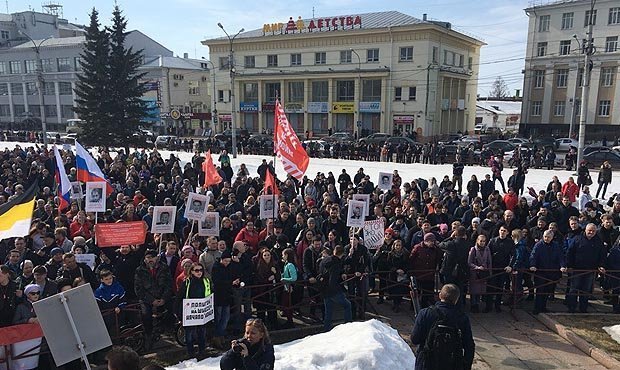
(332, 274)
(546, 256)
(449, 297)
(502, 247)
(153, 287)
(587, 252)
(454, 268)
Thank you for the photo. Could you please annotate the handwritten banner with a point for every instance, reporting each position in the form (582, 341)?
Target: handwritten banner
(374, 234)
(120, 233)
(198, 311)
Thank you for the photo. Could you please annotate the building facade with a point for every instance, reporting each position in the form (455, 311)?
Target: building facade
(375, 72)
(554, 68)
(174, 84)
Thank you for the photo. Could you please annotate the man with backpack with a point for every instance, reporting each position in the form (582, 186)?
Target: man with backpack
(443, 334)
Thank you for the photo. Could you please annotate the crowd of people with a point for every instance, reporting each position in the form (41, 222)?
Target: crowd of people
(475, 235)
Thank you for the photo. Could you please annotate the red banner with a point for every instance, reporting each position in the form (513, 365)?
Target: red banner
(120, 233)
(19, 333)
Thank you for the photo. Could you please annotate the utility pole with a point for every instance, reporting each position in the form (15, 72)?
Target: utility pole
(231, 67)
(358, 118)
(588, 49)
(214, 98)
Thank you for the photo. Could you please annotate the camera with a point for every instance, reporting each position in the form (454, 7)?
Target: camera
(237, 348)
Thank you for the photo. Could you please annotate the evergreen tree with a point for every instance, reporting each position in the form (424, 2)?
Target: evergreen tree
(92, 87)
(128, 109)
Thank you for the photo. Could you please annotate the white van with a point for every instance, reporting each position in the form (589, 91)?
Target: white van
(73, 126)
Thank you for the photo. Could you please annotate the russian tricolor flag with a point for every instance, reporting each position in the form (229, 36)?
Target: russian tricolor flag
(87, 168)
(62, 182)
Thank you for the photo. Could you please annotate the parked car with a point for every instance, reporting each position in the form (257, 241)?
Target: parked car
(394, 141)
(449, 138)
(260, 139)
(564, 144)
(545, 142)
(519, 140)
(500, 146)
(167, 142)
(596, 158)
(595, 148)
(225, 137)
(316, 147)
(340, 136)
(376, 138)
(478, 128)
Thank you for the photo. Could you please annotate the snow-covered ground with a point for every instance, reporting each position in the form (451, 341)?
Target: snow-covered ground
(614, 331)
(358, 345)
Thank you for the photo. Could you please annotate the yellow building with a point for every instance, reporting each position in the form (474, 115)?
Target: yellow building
(362, 73)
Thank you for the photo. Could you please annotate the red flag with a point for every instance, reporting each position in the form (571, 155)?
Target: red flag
(287, 146)
(270, 186)
(211, 175)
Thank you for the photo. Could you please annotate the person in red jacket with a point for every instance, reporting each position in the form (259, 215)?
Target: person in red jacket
(511, 199)
(249, 235)
(81, 226)
(571, 189)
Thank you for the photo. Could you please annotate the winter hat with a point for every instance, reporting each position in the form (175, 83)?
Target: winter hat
(55, 251)
(226, 254)
(443, 227)
(475, 219)
(187, 247)
(31, 288)
(389, 230)
(186, 260)
(429, 237)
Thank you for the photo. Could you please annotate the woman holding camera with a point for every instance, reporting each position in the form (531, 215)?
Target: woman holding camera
(253, 351)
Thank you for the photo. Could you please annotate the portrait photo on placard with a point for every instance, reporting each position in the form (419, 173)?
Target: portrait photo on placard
(385, 180)
(95, 196)
(164, 218)
(355, 214)
(268, 206)
(76, 190)
(210, 225)
(366, 199)
(196, 206)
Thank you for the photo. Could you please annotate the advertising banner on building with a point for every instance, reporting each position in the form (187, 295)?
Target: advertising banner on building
(318, 107)
(343, 107)
(370, 106)
(251, 107)
(294, 108)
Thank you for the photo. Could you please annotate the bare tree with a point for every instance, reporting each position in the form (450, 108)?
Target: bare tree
(499, 89)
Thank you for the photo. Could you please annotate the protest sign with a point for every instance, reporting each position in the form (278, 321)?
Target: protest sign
(120, 233)
(164, 218)
(198, 311)
(374, 234)
(355, 214)
(364, 198)
(87, 258)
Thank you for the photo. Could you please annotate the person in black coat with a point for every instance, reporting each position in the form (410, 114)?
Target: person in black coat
(194, 287)
(612, 264)
(546, 256)
(502, 248)
(223, 276)
(449, 297)
(253, 351)
(357, 262)
(8, 299)
(332, 276)
(454, 268)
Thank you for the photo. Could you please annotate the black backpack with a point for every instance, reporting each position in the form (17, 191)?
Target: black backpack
(443, 349)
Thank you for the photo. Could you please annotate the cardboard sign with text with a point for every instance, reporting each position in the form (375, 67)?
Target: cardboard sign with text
(120, 233)
(374, 234)
(198, 311)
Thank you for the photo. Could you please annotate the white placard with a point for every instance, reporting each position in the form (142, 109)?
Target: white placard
(164, 218)
(76, 190)
(374, 233)
(210, 225)
(87, 258)
(95, 196)
(385, 180)
(268, 206)
(198, 311)
(364, 198)
(196, 206)
(355, 214)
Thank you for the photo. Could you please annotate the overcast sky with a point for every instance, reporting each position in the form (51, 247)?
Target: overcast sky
(180, 25)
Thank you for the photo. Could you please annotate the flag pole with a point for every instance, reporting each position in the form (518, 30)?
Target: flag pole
(273, 190)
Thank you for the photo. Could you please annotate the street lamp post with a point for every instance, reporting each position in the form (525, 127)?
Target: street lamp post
(231, 67)
(358, 120)
(40, 81)
(585, 89)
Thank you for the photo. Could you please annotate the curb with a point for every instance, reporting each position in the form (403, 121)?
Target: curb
(597, 354)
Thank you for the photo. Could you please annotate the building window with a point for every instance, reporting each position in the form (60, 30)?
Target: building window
(345, 56)
(3, 70)
(272, 60)
(64, 88)
(591, 17)
(320, 91)
(567, 20)
(31, 66)
(19, 109)
(539, 79)
(435, 56)
(48, 65)
(17, 89)
(296, 91)
(607, 76)
(50, 111)
(31, 88)
(4, 89)
(398, 93)
(295, 59)
(406, 54)
(48, 88)
(345, 90)
(35, 110)
(580, 77)
(614, 15)
(249, 61)
(611, 44)
(371, 90)
(16, 67)
(221, 96)
(4, 35)
(64, 64)
(562, 78)
(320, 58)
(250, 92)
(78, 63)
(564, 47)
(224, 61)
(412, 92)
(5, 110)
(541, 49)
(372, 55)
(536, 108)
(604, 107)
(66, 111)
(543, 23)
(272, 89)
(194, 88)
(559, 107)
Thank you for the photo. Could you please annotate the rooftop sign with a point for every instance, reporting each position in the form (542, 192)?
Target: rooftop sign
(314, 25)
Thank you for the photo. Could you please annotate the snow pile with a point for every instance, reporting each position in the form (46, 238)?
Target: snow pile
(359, 345)
(614, 331)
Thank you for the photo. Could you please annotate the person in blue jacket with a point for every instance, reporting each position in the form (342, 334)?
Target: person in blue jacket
(110, 296)
(252, 352)
(547, 257)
